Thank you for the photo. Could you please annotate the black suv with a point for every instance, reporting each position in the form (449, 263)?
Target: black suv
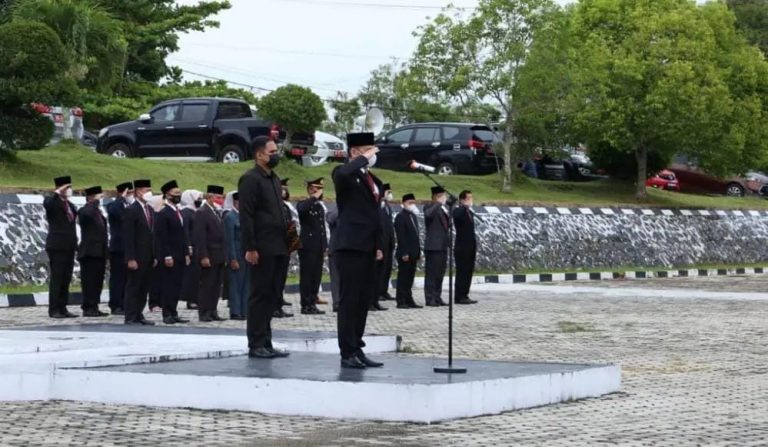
(453, 148)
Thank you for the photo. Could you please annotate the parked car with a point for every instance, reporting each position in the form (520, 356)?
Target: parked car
(60, 122)
(218, 129)
(327, 148)
(694, 180)
(453, 148)
(566, 164)
(664, 179)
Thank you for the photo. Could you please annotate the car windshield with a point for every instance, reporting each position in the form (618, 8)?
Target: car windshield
(666, 176)
(485, 134)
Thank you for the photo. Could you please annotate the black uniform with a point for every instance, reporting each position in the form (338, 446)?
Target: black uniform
(436, 251)
(333, 268)
(117, 269)
(264, 227)
(210, 242)
(138, 231)
(465, 249)
(60, 244)
(355, 243)
(384, 267)
(314, 244)
(191, 277)
(408, 244)
(171, 242)
(284, 263)
(92, 254)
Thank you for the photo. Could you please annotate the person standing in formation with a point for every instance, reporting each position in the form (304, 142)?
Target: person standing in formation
(117, 268)
(238, 271)
(60, 245)
(264, 231)
(314, 244)
(138, 234)
(293, 244)
(384, 267)
(172, 251)
(408, 252)
(465, 248)
(156, 287)
(92, 253)
(210, 244)
(332, 217)
(356, 245)
(191, 201)
(436, 246)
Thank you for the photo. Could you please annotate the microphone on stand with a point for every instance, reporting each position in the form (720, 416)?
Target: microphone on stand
(413, 165)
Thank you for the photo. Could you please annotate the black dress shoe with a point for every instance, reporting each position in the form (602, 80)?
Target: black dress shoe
(133, 323)
(169, 320)
(312, 311)
(415, 306)
(68, 314)
(216, 317)
(94, 313)
(278, 353)
(433, 305)
(286, 303)
(118, 311)
(192, 306)
(352, 363)
(368, 362)
(57, 315)
(403, 306)
(261, 353)
(204, 318)
(440, 302)
(146, 323)
(179, 319)
(378, 307)
(465, 301)
(280, 313)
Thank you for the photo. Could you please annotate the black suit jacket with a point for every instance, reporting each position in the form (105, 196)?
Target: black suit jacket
(170, 236)
(62, 232)
(387, 228)
(262, 220)
(209, 237)
(189, 223)
(407, 230)
(359, 224)
(312, 220)
(436, 225)
(465, 229)
(115, 211)
(93, 233)
(138, 234)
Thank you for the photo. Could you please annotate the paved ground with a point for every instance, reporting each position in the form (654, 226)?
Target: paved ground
(695, 372)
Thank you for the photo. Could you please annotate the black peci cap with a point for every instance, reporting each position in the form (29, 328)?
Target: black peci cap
(408, 197)
(386, 187)
(93, 190)
(236, 196)
(215, 189)
(123, 186)
(169, 186)
(61, 181)
(142, 184)
(437, 190)
(360, 139)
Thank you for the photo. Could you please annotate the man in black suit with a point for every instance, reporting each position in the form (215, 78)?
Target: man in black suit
(171, 250)
(436, 246)
(332, 217)
(465, 247)
(282, 269)
(387, 244)
(60, 245)
(210, 244)
(117, 268)
(92, 253)
(138, 234)
(408, 252)
(263, 223)
(356, 245)
(314, 244)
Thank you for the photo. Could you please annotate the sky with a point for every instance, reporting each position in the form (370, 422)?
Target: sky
(327, 45)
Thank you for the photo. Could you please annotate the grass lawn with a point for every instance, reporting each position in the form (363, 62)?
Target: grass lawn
(35, 170)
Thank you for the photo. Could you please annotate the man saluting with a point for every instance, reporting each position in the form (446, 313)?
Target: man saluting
(355, 245)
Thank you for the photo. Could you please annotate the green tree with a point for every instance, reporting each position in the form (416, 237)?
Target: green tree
(666, 77)
(152, 29)
(752, 20)
(29, 74)
(382, 90)
(93, 38)
(294, 108)
(345, 110)
(474, 60)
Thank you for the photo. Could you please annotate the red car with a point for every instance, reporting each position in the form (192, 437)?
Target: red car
(665, 179)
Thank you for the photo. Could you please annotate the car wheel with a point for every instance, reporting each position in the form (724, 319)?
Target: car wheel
(446, 169)
(734, 190)
(119, 150)
(231, 154)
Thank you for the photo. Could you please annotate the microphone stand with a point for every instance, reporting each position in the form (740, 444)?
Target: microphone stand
(450, 369)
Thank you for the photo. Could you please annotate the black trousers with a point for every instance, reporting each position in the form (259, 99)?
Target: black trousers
(190, 283)
(117, 277)
(265, 298)
(406, 271)
(282, 267)
(383, 274)
(333, 269)
(156, 286)
(62, 263)
(92, 271)
(310, 275)
(210, 288)
(357, 273)
(436, 263)
(465, 267)
(171, 290)
(136, 290)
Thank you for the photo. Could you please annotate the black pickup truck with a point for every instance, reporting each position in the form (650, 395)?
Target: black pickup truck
(201, 128)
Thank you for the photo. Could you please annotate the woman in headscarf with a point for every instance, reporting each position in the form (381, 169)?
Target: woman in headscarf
(191, 200)
(225, 210)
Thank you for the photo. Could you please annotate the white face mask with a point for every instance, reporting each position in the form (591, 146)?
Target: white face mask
(442, 200)
(469, 204)
(412, 208)
(130, 199)
(147, 196)
(68, 192)
(388, 197)
(372, 161)
(216, 206)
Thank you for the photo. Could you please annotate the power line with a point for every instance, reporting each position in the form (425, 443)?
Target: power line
(282, 51)
(375, 5)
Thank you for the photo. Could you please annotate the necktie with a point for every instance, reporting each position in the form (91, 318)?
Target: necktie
(70, 214)
(372, 185)
(444, 218)
(178, 214)
(148, 212)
